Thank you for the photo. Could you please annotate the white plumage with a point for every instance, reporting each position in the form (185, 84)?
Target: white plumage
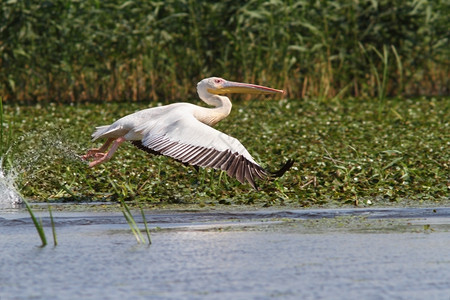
(183, 131)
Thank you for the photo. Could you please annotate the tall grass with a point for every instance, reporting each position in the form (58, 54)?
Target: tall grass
(132, 223)
(1, 128)
(52, 223)
(40, 227)
(69, 50)
(37, 224)
(5, 132)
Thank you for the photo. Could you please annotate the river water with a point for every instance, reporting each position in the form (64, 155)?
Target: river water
(399, 253)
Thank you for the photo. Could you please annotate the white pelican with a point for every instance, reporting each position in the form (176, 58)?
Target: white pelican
(183, 131)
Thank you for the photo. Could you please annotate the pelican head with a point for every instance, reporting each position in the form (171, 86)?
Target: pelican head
(220, 86)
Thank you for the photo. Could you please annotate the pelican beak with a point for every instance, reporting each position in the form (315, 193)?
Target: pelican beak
(243, 88)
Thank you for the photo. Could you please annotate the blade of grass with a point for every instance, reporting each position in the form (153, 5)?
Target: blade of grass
(5, 133)
(130, 220)
(133, 230)
(400, 69)
(55, 240)
(1, 127)
(381, 82)
(147, 231)
(37, 224)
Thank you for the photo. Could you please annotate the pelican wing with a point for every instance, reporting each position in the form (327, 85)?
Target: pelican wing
(188, 140)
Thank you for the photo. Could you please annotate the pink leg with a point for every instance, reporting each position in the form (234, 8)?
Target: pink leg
(97, 152)
(102, 157)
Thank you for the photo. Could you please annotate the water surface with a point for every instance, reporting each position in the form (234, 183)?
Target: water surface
(295, 254)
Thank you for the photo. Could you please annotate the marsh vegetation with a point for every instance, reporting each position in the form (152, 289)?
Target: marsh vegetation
(153, 50)
(354, 119)
(346, 152)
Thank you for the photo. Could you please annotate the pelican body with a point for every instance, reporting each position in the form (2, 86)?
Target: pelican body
(184, 131)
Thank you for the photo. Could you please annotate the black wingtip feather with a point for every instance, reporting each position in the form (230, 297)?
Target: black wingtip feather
(283, 169)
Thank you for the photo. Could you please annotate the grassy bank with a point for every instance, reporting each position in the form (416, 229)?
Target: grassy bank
(347, 152)
(69, 51)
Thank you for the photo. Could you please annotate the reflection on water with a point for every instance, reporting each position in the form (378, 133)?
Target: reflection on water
(297, 254)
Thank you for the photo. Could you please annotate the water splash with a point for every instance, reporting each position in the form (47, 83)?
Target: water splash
(9, 195)
(28, 155)
(45, 147)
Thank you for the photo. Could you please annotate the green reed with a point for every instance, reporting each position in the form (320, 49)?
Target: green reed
(5, 132)
(147, 230)
(52, 222)
(70, 51)
(132, 223)
(40, 227)
(1, 127)
(37, 224)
